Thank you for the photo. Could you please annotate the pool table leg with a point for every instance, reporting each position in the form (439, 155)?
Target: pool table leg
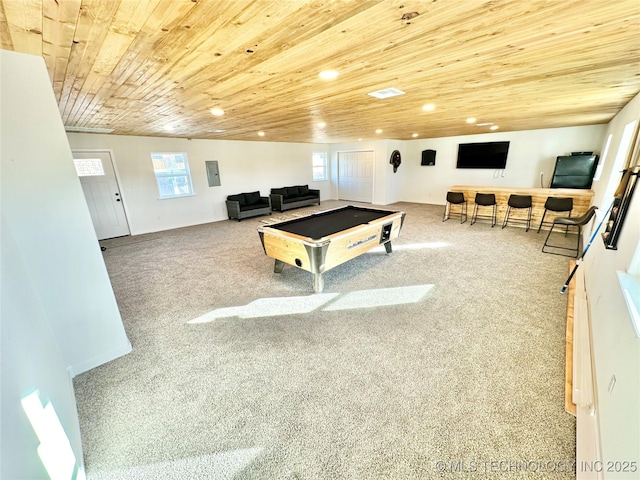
(387, 247)
(318, 282)
(278, 267)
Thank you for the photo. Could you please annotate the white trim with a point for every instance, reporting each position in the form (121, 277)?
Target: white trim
(114, 164)
(177, 196)
(630, 285)
(158, 176)
(588, 444)
(99, 360)
(325, 166)
(373, 171)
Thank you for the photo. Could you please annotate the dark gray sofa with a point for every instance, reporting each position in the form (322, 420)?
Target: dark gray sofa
(286, 198)
(245, 205)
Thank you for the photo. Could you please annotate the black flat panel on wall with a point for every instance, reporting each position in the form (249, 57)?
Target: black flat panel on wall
(491, 155)
(428, 157)
(574, 171)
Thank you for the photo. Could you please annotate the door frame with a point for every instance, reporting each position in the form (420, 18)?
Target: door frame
(115, 172)
(373, 170)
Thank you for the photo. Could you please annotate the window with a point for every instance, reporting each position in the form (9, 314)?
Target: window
(319, 164)
(630, 280)
(630, 284)
(89, 167)
(603, 159)
(619, 163)
(172, 174)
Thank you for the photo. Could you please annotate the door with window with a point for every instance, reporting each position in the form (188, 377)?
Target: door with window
(100, 186)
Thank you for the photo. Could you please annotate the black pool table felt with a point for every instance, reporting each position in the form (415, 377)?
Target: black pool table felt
(327, 223)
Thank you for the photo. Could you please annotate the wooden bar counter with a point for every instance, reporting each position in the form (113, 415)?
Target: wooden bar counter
(582, 199)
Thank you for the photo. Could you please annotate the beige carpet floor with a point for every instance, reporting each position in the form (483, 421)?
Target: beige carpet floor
(444, 359)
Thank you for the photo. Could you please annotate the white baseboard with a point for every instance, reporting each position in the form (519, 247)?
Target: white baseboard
(589, 464)
(98, 360)
(588, 451)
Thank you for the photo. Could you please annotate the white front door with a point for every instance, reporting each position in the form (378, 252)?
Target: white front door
(355, 176)
(98, 179)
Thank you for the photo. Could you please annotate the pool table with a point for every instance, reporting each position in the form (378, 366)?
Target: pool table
(323, 240)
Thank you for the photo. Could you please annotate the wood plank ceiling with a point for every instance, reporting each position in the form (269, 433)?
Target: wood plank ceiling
(158, 67)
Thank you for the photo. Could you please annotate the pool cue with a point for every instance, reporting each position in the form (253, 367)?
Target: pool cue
(584, 252)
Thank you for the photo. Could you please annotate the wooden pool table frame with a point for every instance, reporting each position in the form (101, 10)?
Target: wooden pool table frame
(319, 255)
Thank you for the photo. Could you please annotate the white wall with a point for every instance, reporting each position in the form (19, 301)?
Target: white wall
(616, 349)
(530, 153)
(380, 170)
(396, 182)
(59, 314)
(250, 166)
(244, 167)
(31, 359)
(388, 187)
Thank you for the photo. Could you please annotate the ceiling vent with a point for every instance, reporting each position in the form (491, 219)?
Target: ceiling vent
(88, 129)
(386, 93)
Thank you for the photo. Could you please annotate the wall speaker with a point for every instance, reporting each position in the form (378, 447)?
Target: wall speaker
(428, 157)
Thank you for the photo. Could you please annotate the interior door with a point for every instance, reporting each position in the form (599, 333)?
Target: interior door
(355, 176)
(100, 186)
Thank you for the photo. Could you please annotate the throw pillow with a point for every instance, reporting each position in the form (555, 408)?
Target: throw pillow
(252, 198)
(303, 190)
(237, 198)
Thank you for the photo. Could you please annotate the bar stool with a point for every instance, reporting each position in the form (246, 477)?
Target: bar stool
(569, 222)
(485, 200)
(455, 198)
(518, 201)
(556, 204)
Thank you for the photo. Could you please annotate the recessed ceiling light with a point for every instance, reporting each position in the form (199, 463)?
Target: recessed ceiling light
(379, 130)
(261, 133)
(322, 124)
(494, 127)
(414, 135)
(169, 128)
(429, 107)
(218, 112)
(386, 93)
(217, 130)
(359, 139)
(471, 120)
(328, 74)
(485, 124)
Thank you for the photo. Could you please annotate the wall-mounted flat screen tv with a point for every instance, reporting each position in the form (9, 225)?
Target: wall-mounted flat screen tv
(574, 171)
(483, 155)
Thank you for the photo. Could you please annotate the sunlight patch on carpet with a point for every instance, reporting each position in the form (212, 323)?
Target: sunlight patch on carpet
(269, 307)
(380, 297)
(221, 466)
(278, 306)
